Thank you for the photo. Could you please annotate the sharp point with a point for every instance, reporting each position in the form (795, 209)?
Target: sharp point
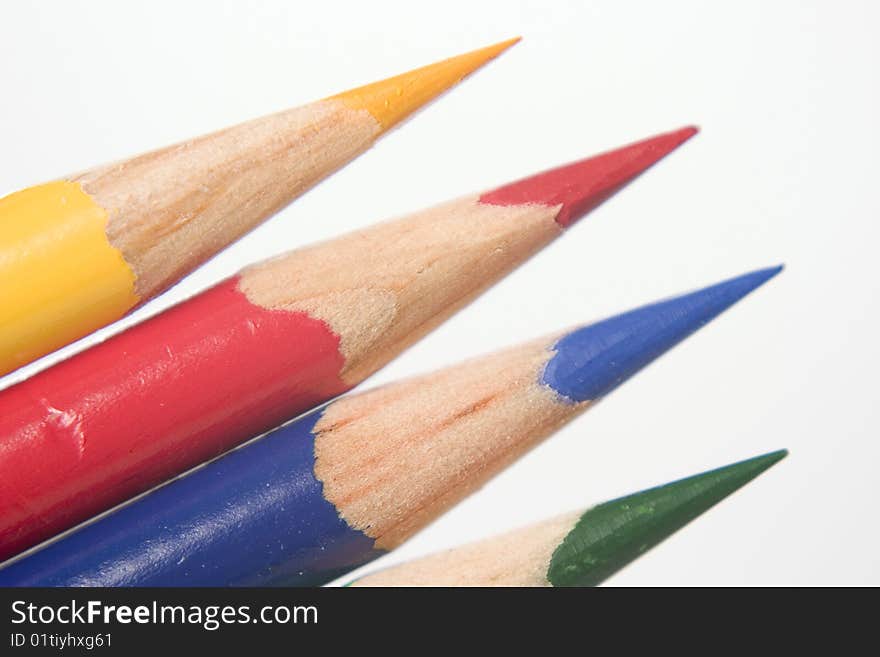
(579, 187)
(613, 534)
(392, 100)
(591, 361)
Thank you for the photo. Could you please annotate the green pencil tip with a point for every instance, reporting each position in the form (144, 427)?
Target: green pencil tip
(611, 535)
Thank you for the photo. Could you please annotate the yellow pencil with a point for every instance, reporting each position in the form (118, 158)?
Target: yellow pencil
(77, 254)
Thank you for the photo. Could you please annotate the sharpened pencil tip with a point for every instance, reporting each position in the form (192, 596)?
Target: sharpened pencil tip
(611, 535)
(581, 186)
(392, 100)
(593, 360)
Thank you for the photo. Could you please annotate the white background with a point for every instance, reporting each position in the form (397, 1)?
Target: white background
(784, 170)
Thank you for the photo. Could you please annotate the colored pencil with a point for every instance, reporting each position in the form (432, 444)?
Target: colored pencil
(268, 344)
(338, 487)
(77, 254)
(578, 549)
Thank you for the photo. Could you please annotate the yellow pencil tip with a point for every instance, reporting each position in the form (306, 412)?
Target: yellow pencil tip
(390, 101)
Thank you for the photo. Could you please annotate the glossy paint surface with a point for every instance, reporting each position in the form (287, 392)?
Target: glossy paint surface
(60, 277)
(256, 517)
(151, 402)
(200, 378)
(243, 501)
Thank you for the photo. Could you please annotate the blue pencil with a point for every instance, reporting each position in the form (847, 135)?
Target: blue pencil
(340, 486)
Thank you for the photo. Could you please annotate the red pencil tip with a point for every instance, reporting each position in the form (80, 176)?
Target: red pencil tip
(581, 186)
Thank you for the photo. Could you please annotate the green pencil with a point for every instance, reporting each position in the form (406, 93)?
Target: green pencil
(582, 548)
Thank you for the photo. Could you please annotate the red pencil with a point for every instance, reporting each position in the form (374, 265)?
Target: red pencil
(267, 344)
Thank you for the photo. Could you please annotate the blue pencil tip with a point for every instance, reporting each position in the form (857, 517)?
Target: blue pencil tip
(591, 361)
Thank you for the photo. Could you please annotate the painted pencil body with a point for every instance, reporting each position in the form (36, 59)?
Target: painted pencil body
(77, 254)
(582, 548)
(335, 488)
(266, 345)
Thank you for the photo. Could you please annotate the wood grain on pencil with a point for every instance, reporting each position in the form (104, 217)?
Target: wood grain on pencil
(266, 345)
(339, 486)
(389, 477)
(79, 253)
(578, 549)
